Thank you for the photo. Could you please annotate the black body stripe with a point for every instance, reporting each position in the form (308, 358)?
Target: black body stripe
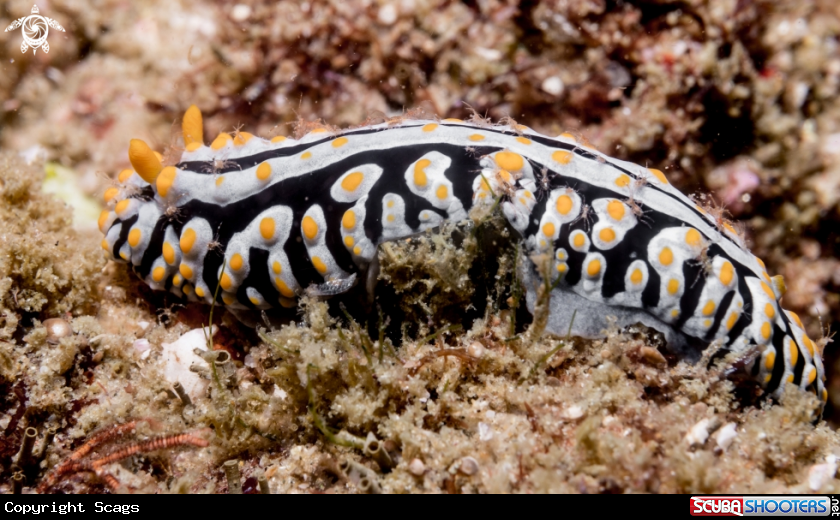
(779, 365)
(622, 255)
(463, 171)
(575, 258)
(394, 163)
(242, 163)
(259, 278)
(154, 249)
(536, 216)
(694, 280)
(745, 319)
(799, 367)
(723, 308)
(650, 294)
(123, 238)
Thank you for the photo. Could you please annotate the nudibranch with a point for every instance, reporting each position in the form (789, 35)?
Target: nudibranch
(265, 219)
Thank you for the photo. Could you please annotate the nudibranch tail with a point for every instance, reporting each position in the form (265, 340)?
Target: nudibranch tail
(266, 219)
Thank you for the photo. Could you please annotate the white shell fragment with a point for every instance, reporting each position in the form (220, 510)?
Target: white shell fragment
(416, 467)
(468, 466)
(698, 433)
(725, 436)
(820, 474)
(573, 412)
(178, 357)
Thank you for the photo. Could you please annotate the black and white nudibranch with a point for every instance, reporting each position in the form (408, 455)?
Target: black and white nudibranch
(280, 215)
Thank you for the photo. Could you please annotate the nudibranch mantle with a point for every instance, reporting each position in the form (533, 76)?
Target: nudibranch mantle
(266, 219)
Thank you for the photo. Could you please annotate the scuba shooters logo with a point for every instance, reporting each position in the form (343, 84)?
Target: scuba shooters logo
(760, 506)
(35, 29)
